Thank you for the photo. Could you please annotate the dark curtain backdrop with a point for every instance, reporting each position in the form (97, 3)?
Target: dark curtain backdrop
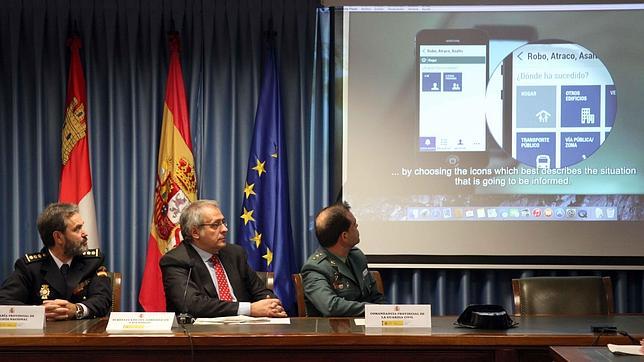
(125, 58)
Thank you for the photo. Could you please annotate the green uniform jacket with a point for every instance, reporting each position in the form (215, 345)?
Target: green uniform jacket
(332, 290)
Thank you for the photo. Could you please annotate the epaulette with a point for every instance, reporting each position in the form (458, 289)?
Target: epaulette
(30, 258)
(318, 257)
(102, 271)
(91, 253)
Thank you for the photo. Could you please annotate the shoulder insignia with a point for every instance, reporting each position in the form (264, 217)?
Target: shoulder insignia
(318, 257)
(30, 258)
(101, 271)
(91, 253)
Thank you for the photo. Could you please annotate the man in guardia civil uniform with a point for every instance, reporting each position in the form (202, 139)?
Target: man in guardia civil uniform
(65, 276)
(336, 280)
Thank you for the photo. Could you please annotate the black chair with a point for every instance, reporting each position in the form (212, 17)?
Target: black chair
(563, 296)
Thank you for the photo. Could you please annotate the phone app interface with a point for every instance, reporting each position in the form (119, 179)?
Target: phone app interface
(452, 97)
(564, 104)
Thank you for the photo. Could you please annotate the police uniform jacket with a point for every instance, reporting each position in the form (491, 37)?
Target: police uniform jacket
(333, 288)
(36, 278)
(198, 295)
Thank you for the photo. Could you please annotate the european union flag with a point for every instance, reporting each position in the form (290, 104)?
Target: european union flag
(266, 227)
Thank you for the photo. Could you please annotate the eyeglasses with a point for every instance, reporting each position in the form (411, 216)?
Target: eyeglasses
(216, 224)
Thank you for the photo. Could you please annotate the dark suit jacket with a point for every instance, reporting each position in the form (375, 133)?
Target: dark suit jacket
(201, 299)
(37, 277)
(332, 289)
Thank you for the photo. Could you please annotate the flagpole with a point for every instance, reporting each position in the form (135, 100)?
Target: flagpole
(176, 182)
(266, 227)
(76, 176)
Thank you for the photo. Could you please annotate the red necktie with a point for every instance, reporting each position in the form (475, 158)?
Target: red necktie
(222, 282)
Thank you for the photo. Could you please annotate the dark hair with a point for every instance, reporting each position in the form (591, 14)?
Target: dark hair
(53, 219)
(332, 221)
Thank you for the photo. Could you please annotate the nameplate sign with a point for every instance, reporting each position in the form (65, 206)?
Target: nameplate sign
(140, 322)
(22, 317)
(398, 315)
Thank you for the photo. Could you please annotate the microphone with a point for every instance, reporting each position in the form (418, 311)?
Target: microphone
(184, 317)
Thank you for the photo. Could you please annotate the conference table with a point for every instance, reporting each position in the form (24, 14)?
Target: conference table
(315, 339)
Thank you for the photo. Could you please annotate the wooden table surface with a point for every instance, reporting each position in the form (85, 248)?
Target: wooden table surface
(316, 339)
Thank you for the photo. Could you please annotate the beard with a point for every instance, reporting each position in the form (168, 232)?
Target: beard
(74, 249)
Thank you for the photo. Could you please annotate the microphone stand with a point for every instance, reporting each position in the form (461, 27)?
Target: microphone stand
(184, 317)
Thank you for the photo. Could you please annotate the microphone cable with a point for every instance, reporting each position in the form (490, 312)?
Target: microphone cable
(603, 332)
(184, 316)
(192, 346)
(610, 331)
(633, 339)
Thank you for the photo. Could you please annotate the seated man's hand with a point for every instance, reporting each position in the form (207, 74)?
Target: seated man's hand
(59, 310)
(269, 307)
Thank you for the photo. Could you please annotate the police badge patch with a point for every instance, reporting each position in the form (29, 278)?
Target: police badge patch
(44, 291)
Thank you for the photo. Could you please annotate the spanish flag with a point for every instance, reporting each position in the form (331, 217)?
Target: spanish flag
(76, 176)
(176, 182)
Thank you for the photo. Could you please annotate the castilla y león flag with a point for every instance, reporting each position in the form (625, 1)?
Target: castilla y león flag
(76, 176)
(176, 182)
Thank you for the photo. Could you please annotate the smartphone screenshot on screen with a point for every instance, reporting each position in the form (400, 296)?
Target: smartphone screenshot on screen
(563, 106)
(452, 73)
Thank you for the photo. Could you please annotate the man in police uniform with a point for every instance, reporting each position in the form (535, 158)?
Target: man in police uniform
(336, 280)
(67, 278)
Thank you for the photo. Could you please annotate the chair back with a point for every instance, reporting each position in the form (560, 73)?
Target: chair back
(116, 279)
(299, 295)
(380, 287)
(268, 278)
(562, 296)
(299, 290)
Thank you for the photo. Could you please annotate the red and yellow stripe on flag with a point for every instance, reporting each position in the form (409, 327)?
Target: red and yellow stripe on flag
(76, 176)
(176, 182)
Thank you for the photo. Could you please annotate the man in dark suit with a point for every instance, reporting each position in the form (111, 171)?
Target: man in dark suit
(336, 280)
(67, 278)
(221, 282)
